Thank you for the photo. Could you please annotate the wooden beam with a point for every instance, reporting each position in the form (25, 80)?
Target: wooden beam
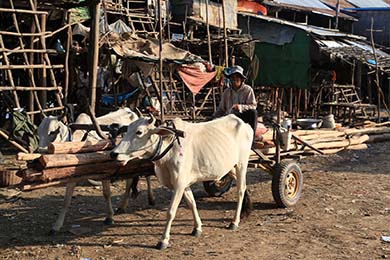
(95, 54)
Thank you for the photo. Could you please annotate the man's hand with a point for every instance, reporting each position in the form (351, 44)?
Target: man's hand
(236, 107)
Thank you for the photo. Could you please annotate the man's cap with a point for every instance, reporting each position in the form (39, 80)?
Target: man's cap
(236, 69)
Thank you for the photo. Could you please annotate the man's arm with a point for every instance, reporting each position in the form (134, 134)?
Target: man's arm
(250, 101)
(221, 110)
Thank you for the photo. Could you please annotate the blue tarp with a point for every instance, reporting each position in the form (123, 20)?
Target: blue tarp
(108, 99)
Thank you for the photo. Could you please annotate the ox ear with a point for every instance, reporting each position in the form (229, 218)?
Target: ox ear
(63, 131)
(132, 116)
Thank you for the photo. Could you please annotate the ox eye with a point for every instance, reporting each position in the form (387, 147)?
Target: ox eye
(138, 132)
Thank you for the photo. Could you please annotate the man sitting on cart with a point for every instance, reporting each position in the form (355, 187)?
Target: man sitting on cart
(238, 99)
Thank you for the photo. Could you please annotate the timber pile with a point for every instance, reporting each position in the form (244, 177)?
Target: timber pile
(327, 141)
(75, 162)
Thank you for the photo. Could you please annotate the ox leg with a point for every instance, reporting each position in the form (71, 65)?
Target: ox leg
(107, 197)
(151, 198)
(241, 187)
(190, 200)
(125, 198)
(176, 197)
(61, 217)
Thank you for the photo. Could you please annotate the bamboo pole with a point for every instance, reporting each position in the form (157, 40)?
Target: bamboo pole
(9, 74)
(31, 66)
(5, 88)
(95, 54)
(6, 137)
(10, 51)
(46, 36)
(26, 59)
(160, 58)
(46, 110)
(68, 48)
(46, 56)
(42, 97)
(22, 11)
(208, 32)
(225, 35)
(24, 34)
(31, 61)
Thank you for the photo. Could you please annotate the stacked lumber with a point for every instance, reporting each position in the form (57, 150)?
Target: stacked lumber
(75, 162)
(326, 141)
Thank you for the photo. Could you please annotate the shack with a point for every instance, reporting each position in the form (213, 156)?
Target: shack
(303, 58)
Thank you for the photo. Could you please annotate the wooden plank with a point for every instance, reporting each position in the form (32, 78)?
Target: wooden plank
(61, 160)
(79, 147)
(27, 156)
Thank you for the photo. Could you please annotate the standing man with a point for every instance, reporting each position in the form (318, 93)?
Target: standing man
(239, 99)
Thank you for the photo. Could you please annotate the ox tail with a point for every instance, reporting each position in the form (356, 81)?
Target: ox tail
(247, 205)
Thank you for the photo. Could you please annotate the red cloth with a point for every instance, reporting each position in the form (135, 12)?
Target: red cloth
(194, 78)
(251, 7)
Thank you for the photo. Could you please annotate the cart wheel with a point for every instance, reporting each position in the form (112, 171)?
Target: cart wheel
(217, 188)
(287, 184)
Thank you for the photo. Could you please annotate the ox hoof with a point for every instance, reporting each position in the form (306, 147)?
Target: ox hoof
(52, 232)
(161, 246)
(232, 226)
(196, 232)
(120, 211)
(108, 221)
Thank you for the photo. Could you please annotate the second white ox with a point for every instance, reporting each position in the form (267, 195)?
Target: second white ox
(207, 152)
(52, 129)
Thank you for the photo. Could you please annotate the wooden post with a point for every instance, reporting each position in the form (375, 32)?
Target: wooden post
(68, 47)
(193, 107)
(43, 94)
(337, 14)
(225, 35)
(376, 69)
(31, 61)
(95, 53)
(208, 32)
(160, 60)
(277, 153)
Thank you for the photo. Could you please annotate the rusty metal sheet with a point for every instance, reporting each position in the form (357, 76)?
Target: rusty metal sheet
(215, 13)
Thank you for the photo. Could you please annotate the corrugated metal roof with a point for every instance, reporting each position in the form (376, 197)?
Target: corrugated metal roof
(304, 3)
(368, 3)
(307, 6)
(308, 28)
(343, 3)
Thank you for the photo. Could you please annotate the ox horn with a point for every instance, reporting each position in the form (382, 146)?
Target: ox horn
(152, 119)
(138, 112)
(96, 125)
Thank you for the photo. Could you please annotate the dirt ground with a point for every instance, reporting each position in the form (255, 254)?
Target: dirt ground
(343, 212)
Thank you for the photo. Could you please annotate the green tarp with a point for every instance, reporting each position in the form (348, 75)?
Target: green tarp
(285, 65)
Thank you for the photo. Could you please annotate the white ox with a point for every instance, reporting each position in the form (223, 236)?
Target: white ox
(52, 129)
(207, 152)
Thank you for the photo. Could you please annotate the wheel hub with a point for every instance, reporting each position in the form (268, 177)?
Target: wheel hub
(291, 185)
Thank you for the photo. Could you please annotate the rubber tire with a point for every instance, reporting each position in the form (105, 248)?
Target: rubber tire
(217, 191)
(279, 176)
